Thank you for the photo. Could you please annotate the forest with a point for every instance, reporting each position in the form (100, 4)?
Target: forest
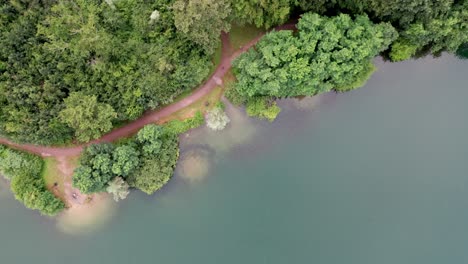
(71, 71)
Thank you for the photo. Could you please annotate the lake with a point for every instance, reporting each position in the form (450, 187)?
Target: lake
(378, 175)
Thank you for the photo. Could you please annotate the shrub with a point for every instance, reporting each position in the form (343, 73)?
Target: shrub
(402, 50)
(24, 171)
(118, 188)
(217, 119)
(263, 107)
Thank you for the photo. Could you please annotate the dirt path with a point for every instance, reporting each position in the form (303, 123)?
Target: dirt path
(151, 116)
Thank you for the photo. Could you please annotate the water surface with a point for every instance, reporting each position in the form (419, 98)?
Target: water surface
(377, 175)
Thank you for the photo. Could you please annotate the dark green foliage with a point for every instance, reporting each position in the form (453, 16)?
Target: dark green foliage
(328, 53)
(24, 171)
(149, 137)
(95, 169)
(443, 33)
(118, 55)
(89, 118)
(156, 170)
(265, 13)
(146, 161)
(202, 20)
(32, 192)
(125, 160)
(462, 51)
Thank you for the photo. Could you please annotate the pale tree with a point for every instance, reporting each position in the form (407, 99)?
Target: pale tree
(217, 119)
(118, 188)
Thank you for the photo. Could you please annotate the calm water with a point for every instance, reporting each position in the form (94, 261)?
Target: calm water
(375, 176)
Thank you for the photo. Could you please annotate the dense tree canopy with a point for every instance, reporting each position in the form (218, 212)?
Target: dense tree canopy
(95, 169)
(328, 53)
(89, 118)
(156, 170)
(24, 170)
(115, 53)
(438, 34)
(202, 20)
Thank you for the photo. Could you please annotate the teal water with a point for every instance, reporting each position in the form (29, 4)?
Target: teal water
(374, 176)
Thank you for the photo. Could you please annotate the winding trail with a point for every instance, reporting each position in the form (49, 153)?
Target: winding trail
(152, 116)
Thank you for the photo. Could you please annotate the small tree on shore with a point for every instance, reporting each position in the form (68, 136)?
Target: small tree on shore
(118, 188)
(217, 119)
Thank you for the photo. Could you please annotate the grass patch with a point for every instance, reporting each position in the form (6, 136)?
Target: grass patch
(241, 35)
(202, 105)
(217, 56)
(54, 177)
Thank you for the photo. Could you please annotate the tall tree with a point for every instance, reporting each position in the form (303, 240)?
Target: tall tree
(89, 118)
(202, 20)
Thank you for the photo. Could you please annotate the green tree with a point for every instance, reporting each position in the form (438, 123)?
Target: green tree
(24, 171)
(156, 171)
(202, 20)
(327, 53)
(89, 118)
(263, 107)
(118, 188)
(150, 139)
(125, 160)
(95, 169)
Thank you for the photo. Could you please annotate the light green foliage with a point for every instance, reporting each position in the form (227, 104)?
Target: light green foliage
(89, 118)
(95, 169)
(50, 49)
(177, 127)
(24, 171)
(118, 188)
(263, 107)
(402, 50)
(125, 160)
(216, 119)
(202, 20)
(13, 162)
(150, 139)
(155, 171)
(328, 53)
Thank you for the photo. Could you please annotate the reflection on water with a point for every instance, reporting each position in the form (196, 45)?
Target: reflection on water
(4, 187)
(85, 218)
(202, 146)
(240, 130)
(195, 162)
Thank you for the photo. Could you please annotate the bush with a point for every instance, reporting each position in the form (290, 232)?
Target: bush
(177, 127)
(402, 50)
(27, 185)
(263, 107)
(217, 119)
